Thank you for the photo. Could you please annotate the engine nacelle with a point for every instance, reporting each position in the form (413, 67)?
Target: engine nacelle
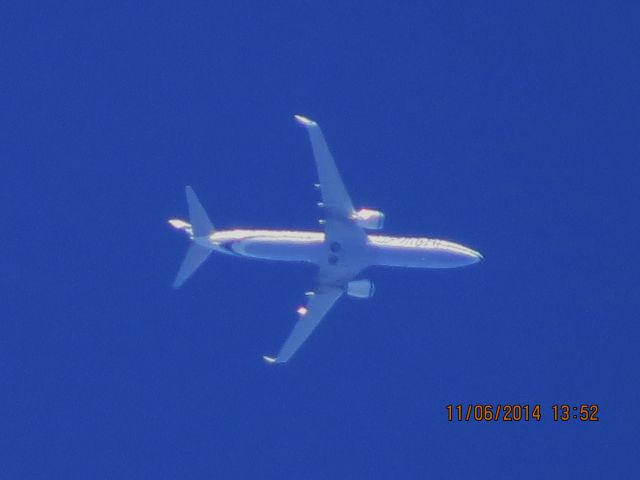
(361, 288)
(369, 219)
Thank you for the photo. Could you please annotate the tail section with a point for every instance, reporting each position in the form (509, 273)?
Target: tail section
(199, 230)
(196, 255)
(201, 226)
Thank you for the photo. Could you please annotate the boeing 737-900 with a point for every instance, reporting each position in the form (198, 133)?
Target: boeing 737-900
(341, 251)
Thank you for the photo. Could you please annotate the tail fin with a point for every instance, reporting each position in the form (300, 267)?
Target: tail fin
(199, 230)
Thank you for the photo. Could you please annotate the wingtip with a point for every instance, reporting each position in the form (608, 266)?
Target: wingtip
(269, 360)
(307, 122)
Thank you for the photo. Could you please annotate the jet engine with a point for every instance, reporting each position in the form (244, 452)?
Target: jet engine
(361, 288)
(369, 219)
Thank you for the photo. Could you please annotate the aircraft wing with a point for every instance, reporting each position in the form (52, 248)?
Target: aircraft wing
(331, 286)
(336, 202)
(318, 305)
(344, 238)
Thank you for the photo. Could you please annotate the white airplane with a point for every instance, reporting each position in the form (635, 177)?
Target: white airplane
(341, 252)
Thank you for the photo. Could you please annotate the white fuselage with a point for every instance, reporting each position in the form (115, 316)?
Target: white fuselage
(305, 246)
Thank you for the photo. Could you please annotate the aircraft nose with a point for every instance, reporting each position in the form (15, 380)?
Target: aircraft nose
(471, 256)
(458, 255)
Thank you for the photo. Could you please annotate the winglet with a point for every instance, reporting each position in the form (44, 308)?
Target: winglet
(307, 122)
(269, 359)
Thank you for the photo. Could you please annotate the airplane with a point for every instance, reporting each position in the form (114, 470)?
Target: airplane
(341, 252)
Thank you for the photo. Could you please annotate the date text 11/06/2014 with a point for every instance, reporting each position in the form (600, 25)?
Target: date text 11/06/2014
(512, 412)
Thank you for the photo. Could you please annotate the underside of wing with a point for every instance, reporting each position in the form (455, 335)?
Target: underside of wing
(336, 202)
(331, 284)
(309, 317)
(345, 243)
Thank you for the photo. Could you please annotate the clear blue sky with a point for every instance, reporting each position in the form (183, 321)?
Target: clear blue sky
(511, 127)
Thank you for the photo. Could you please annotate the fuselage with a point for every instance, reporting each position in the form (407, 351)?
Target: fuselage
(307, 246)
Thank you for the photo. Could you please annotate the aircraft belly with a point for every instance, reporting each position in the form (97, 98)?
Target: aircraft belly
(283, 250)
(410, 257)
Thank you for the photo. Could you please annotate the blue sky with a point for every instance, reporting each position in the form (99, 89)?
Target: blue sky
(510, 127)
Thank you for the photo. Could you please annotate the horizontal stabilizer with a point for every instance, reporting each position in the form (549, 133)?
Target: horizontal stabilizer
(195, 256)
(200, 223)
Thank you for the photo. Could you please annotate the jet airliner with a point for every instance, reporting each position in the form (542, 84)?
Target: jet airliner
(341, 252)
